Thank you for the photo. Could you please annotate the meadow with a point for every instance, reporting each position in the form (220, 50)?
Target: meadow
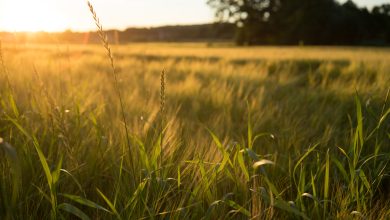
(213, 132)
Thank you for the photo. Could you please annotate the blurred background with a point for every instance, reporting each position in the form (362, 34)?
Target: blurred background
(244, 22)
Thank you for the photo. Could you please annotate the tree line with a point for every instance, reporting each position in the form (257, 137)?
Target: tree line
(214, 32)
(314, 22)
(254, 22)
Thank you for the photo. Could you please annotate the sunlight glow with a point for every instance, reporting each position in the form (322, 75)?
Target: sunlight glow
(60, 15)
(17, 15)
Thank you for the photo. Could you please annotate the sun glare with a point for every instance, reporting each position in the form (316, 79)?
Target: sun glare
(31, 16)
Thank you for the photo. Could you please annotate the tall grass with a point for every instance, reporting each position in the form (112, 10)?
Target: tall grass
(162, 114)
(247, 139)
(104, 40)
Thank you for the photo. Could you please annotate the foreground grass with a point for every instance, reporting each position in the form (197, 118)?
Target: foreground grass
(248, 134)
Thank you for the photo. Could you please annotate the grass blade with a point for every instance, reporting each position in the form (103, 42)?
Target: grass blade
(84, 201)
(73, 210)
(109, 203)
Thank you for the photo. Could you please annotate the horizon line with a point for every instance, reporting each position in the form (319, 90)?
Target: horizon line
(116, 29)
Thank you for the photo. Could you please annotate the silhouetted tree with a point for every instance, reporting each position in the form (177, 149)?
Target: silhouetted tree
(253, 17)
(304, 21)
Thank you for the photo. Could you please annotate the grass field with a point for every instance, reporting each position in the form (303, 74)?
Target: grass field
(245, 133)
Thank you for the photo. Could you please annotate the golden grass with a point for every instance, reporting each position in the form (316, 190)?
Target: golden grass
(301, 98)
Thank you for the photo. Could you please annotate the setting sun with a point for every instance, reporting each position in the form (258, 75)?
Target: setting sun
(59, 15)
(44, 15)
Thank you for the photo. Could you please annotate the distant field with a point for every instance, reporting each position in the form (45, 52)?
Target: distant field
(321, 112)
(229, 51)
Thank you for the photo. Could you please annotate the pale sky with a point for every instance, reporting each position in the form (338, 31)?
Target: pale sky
(58, 15)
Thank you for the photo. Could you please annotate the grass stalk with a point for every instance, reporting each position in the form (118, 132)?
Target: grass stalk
(162, 114)
(104, 40)
(4, 68)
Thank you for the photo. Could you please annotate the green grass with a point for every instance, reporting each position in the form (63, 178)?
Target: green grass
(267, 133)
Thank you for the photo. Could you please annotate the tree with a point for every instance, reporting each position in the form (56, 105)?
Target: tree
(318, 22)
(382, 10)
(276, 21)
(253, 17)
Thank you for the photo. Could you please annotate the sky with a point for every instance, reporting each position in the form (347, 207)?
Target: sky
(60, 15)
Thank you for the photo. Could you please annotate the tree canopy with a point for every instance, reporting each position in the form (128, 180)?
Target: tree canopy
(315, 22)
